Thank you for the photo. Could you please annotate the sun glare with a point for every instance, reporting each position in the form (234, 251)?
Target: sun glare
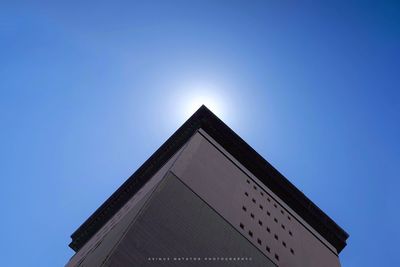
(193, 97)
(209, 101)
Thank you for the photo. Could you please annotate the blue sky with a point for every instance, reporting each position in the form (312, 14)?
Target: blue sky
(89, 90)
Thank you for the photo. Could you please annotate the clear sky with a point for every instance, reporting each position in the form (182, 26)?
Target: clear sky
(89, 90)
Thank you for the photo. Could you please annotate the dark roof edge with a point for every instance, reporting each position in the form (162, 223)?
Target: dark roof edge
(238, 148)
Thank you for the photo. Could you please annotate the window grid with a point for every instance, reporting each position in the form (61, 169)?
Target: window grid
(260, 222)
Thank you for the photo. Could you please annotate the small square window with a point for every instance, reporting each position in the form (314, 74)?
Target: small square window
(284, 244)
(242, 225)
(268, 213)
(290, 233)
(292, 251)
(259, 222)
(252, 215)
(282, 212)
(277, 257)
(248, 181)
(275, 220)
(247, 194)
(283, 227)
(276, 237)
(251, 233)
(244, 208)
(261, 207)
(255, 187)
(268, 249)
(275, 205)
(259, 241)
(262, 194)
(268, 230)
(254, 201)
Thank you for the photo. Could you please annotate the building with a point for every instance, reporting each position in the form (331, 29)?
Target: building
(206, 198)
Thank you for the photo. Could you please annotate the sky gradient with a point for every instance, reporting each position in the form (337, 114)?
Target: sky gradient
(88, 91)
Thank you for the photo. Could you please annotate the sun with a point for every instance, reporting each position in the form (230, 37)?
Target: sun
(211, 102)
(185, 98)
(208, 95)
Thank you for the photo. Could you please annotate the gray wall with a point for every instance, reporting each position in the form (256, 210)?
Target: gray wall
(107, 236)
(175, 223)
(223, 185)
(198, 212)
